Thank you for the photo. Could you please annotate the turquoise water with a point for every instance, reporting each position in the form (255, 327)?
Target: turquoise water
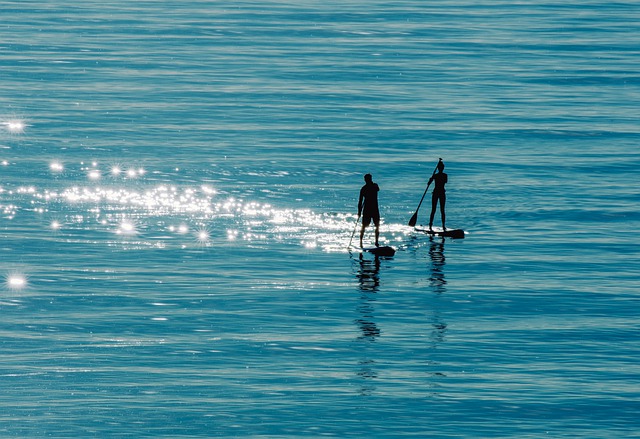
(178, 187)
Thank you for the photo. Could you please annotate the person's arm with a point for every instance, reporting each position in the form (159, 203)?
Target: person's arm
(360, 200)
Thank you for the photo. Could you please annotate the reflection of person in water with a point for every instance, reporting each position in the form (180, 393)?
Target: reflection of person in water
(438, 194)
(369, 201)
(369, 278)
(369, 283)
(438, 284)
(436, 253)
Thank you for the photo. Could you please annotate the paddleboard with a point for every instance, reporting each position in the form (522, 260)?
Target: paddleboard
(437, 231)
(379, 251)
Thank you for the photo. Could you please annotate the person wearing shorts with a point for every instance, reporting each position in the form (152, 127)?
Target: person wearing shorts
(368, 207)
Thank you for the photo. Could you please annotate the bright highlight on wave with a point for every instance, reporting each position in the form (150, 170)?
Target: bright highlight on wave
(16, 281)
(56, 166)
(127, 227)
(203, 236)
(14, 126)
(94, 174)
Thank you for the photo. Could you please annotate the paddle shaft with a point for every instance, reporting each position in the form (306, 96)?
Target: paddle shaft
(414, 218)
(355, 227)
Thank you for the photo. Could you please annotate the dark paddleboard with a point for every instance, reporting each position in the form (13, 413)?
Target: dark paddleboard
(449, 233)
(380, 251)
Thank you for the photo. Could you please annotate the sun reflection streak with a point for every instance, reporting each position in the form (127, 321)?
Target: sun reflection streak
(120, 205)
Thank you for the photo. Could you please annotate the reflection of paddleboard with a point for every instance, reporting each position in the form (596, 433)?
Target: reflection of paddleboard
(437, 231)
(379, 251)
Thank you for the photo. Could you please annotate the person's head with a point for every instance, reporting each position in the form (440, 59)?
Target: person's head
(368, 178)
(440, 166)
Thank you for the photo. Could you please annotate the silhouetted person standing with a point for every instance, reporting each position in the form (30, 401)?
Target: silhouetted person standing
(368, 207)
(438, 194)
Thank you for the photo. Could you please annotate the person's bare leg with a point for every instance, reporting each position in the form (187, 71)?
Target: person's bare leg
(377, 232)
(434, 204)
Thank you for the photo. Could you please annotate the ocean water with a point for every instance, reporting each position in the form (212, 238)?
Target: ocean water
(178, 189)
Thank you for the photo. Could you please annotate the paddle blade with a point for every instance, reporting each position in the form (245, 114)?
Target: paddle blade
(413, 220)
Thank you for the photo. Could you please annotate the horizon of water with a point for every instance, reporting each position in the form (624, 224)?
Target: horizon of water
(178, 189)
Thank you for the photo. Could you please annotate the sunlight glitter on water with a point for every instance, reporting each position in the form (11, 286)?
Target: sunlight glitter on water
(130, 209)
(127, 227)
(16, 281)
(14, 126)
(56, 166)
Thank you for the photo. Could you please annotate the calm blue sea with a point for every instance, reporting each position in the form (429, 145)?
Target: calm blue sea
(178, 189)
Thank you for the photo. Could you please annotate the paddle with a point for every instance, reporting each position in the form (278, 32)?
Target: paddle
(354, 230)
(414, 218)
